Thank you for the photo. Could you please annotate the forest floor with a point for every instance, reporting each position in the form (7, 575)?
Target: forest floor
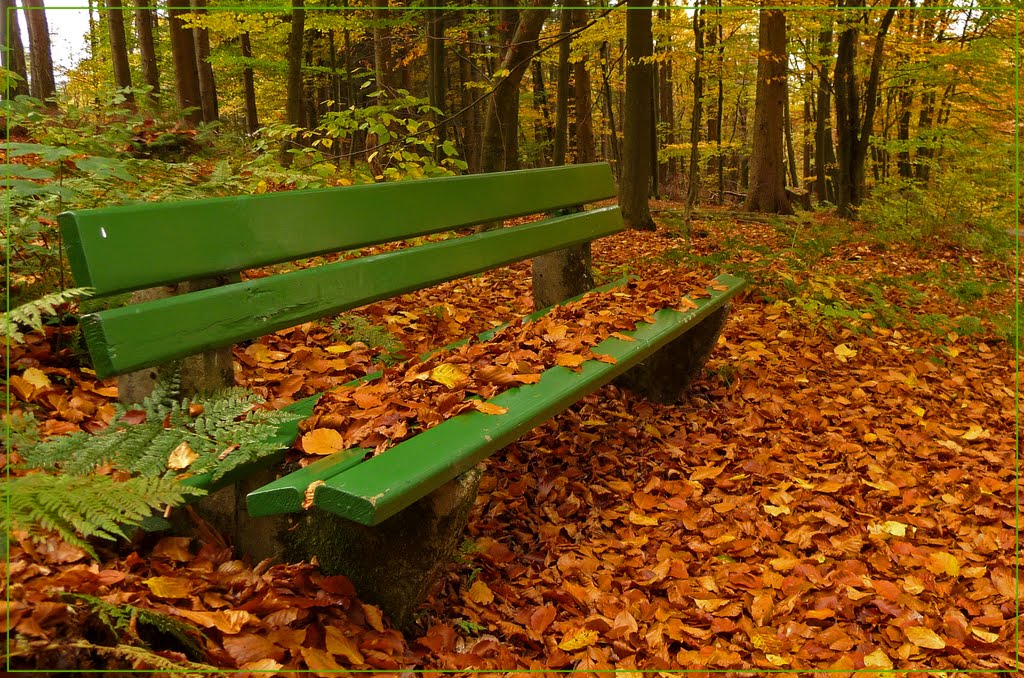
(838, 492)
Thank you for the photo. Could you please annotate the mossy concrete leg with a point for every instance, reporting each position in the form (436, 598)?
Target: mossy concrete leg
(396, 563)
(561, 275)
(665, 376)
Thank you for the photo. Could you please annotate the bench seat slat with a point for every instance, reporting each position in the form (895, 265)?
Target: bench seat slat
(140, 335)
(380, 487)
(119, 249)
(285, 495)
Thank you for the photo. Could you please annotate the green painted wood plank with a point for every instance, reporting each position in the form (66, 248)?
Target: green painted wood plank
(380, 487)
(130, 247)
(285, 495)
(140, 335)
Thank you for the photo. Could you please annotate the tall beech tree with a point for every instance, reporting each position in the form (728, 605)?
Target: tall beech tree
(186, 75)
(204, 69)
(13, 55)
(41, 83)
(147, 48)
(635, 183)
(854, 131)
(500, 148)
(767, 188)
(119, 48)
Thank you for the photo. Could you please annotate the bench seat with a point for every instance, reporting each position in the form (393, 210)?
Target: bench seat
(371, 491)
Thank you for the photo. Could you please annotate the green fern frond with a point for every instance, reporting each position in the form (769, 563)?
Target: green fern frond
(30, 315)
(79, 507)
(141, 658)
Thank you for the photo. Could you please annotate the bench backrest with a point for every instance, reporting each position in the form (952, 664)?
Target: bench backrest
(120, 249)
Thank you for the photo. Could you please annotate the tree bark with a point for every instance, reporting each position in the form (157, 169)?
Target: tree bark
(41, 84)
(207, 85)
(824, 151)
(293, 101)
(767, 190)
(119, 49)
(561, 141)
(13, 58)
(636, 148)
(666, 102)
(436, 58)
(147, 49)
(586, 150)
(693, 183)
(186, 74)
(499, 148)
(252, 122)
(381, 46)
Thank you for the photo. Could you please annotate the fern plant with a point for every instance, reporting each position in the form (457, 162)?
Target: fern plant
(79, 507)
(13, 323)
(221, 432)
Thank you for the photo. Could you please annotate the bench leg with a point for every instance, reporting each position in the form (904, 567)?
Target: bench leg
(665, 376)
(396, 563)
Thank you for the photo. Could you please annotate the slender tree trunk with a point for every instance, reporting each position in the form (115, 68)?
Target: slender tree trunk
(207, 85)
(693, 183)
(790, 151)
(436, 59)
(500, 149)
(767, 191)
(824, 151)
(609, 104)
(586, 150)
(252, 122)
(470, 111)
(808, 132)
(42, 84)
(562, 89)
(666, 101)
(543, 130)
(119, 50)
(294, 97)
(13, 58)
(720, 105)
(381, 46)
(636, 152)
(147, 49)
(185, 72)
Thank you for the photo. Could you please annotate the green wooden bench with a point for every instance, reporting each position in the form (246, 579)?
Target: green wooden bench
(133, 247)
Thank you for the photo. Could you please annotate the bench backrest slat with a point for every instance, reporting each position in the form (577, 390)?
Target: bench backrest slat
(132, 247)
(139, 335)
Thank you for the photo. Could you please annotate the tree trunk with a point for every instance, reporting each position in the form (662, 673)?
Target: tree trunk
(499, 149)
(13, 58)
(586, 150)
(824, 151)
(636, 148)
(436, 58)
(147, 49)
(471, 131)
(693, 183)
(119, 49)
(543, 131)
(790, 151)
(381, 46)
(293, 100)
(186, 74)
(562, 89)
(720, 105)
(767, 190)
(252, 122)
(207, 85)
(666, 102)
(610, 109)
(41, 84)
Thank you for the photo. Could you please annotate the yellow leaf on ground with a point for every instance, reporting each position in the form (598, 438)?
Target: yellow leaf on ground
(340, 644)
(169, 587)
(984, 636)
(579, 640)
(640, 519)
(974, 432)
(941, 562)
(322, 441)
(878, 660)
(489, 408)
(37, 378)
(923, 636)
(480, 593)
(321, 663)
(181, 457)
(843, 352)
(338, 349)
(448, 374)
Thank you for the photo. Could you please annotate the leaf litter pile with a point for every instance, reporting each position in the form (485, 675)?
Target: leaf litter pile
(838, 492)
(415, 396)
